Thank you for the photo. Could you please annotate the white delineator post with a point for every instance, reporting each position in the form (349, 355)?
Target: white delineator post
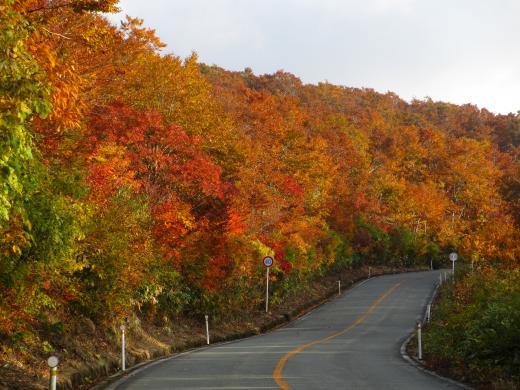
(428, 312)
(123, 348)
(339, 287)
(207, 329)
(419, 341)
(440, 279)
(52, 362)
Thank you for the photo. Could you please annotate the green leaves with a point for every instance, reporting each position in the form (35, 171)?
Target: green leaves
(476, 326)
(161, 182)
(23, 93)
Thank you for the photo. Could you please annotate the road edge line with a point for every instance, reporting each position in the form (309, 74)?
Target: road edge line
(418, 364)
(117, 379)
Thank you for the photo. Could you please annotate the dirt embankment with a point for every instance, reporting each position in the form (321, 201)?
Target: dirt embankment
(89, 354)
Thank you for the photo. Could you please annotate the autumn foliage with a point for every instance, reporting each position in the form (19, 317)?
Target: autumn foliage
(134, 181)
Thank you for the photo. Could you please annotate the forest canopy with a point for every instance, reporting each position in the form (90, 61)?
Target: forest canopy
(135, 180)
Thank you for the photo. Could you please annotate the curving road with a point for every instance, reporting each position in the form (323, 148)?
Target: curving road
(351, 342)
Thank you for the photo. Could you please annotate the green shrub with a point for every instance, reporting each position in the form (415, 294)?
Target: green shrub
(476, 327)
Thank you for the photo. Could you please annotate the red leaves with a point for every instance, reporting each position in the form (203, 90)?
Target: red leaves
(291, 187)
(305, 167)
(281, 262)
(173, 221)
(161, 161)
(109, 170)
(164, 158)
(285, 266)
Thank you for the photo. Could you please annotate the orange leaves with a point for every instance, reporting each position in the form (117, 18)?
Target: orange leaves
(164, 157)
(173, 220)
(235, 223)
(110, 170)
(195, 169)
(133, 27)
(161, 161)
(45, 6)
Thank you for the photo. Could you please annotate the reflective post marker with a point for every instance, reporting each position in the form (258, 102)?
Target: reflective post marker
(207, 329)
(428, 312)
(419, 341)
(339, 287)
(123, 348)
(52, 362)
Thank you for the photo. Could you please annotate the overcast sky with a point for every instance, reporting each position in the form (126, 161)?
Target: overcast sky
(460, 51)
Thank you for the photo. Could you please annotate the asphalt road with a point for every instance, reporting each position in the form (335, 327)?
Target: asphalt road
(351, 342)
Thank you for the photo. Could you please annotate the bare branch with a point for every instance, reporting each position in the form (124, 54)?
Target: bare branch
(55, 33)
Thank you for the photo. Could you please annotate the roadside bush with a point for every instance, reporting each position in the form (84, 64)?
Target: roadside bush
(475, 332)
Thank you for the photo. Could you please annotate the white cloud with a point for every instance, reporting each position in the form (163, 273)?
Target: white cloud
(461, 51)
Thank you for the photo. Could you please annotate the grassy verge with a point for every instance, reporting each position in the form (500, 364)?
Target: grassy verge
(89, 352)
(474, 335)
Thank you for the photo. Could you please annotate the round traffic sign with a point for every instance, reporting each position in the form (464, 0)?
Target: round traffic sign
(268, 261)
(52, 361)
(453, 256)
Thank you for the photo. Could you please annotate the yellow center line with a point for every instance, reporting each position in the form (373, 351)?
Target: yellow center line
(277, 374)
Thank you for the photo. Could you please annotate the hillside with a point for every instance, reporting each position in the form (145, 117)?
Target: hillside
(136, 184)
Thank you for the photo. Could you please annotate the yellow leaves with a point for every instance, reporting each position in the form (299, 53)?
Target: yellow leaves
(296, 159)
(187, 220)
(16, 250)
(13, 238)
(261, 248)
(492, 240)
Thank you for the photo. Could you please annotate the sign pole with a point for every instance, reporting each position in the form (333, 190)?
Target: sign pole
(453, 258)
(268, 263)
(267, 291)
(52, 362)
